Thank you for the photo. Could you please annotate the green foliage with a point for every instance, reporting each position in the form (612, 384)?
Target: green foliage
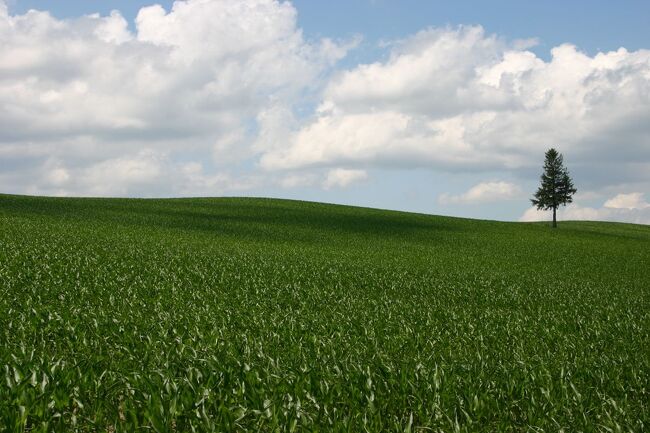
(556, 187)
(207, 315)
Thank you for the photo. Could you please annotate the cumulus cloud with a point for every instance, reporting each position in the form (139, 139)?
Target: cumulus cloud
(634, 200)
(342, 177)
(88, 94)
(146, 173)
(630, 207)
(482, 193)
(212, 96)
(457, 99)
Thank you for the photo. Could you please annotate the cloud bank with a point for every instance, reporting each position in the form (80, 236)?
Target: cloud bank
(630, 207)
(223, 96)
(88, 106)
(456, 99)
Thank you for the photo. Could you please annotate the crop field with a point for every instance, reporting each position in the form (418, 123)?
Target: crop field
(127, 315)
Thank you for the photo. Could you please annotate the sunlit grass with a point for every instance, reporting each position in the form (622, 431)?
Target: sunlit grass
(270, 315)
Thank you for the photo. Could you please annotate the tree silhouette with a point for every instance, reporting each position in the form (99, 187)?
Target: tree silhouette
(556, 188)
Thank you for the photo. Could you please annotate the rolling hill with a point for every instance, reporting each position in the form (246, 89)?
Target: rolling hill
(242, 314)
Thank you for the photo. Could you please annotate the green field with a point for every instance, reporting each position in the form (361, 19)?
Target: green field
(273, 315)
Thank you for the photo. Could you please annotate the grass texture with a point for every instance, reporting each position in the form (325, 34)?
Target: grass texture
(179, 315)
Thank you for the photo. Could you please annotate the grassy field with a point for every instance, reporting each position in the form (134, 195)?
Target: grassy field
(270, 315)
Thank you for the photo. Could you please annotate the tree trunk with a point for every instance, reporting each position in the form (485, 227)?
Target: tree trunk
(554, 219)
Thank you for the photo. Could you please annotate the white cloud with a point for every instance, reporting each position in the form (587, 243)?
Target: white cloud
(145, 174)
(298, 180)
(211, 95)
(458, 99)
(191, 179)
(482, 193)
(192, 82)
(342, 177)
(623, 208)
(113, 29)
(115, 176)
(632, 200)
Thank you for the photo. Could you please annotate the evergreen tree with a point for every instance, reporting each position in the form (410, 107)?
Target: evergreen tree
(557, 187)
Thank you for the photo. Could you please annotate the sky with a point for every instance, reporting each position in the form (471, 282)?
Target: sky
(427, 106)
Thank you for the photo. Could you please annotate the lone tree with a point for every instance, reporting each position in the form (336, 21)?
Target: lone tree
(557, 187)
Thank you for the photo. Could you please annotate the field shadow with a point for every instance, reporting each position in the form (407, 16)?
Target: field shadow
(270, 220)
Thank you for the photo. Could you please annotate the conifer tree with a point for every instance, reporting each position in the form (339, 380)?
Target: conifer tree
(557, 187)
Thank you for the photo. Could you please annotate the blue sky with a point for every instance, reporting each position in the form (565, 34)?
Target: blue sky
(436, 107)
(593, 25)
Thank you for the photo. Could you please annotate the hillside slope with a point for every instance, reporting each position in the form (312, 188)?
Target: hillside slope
(240, 314)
